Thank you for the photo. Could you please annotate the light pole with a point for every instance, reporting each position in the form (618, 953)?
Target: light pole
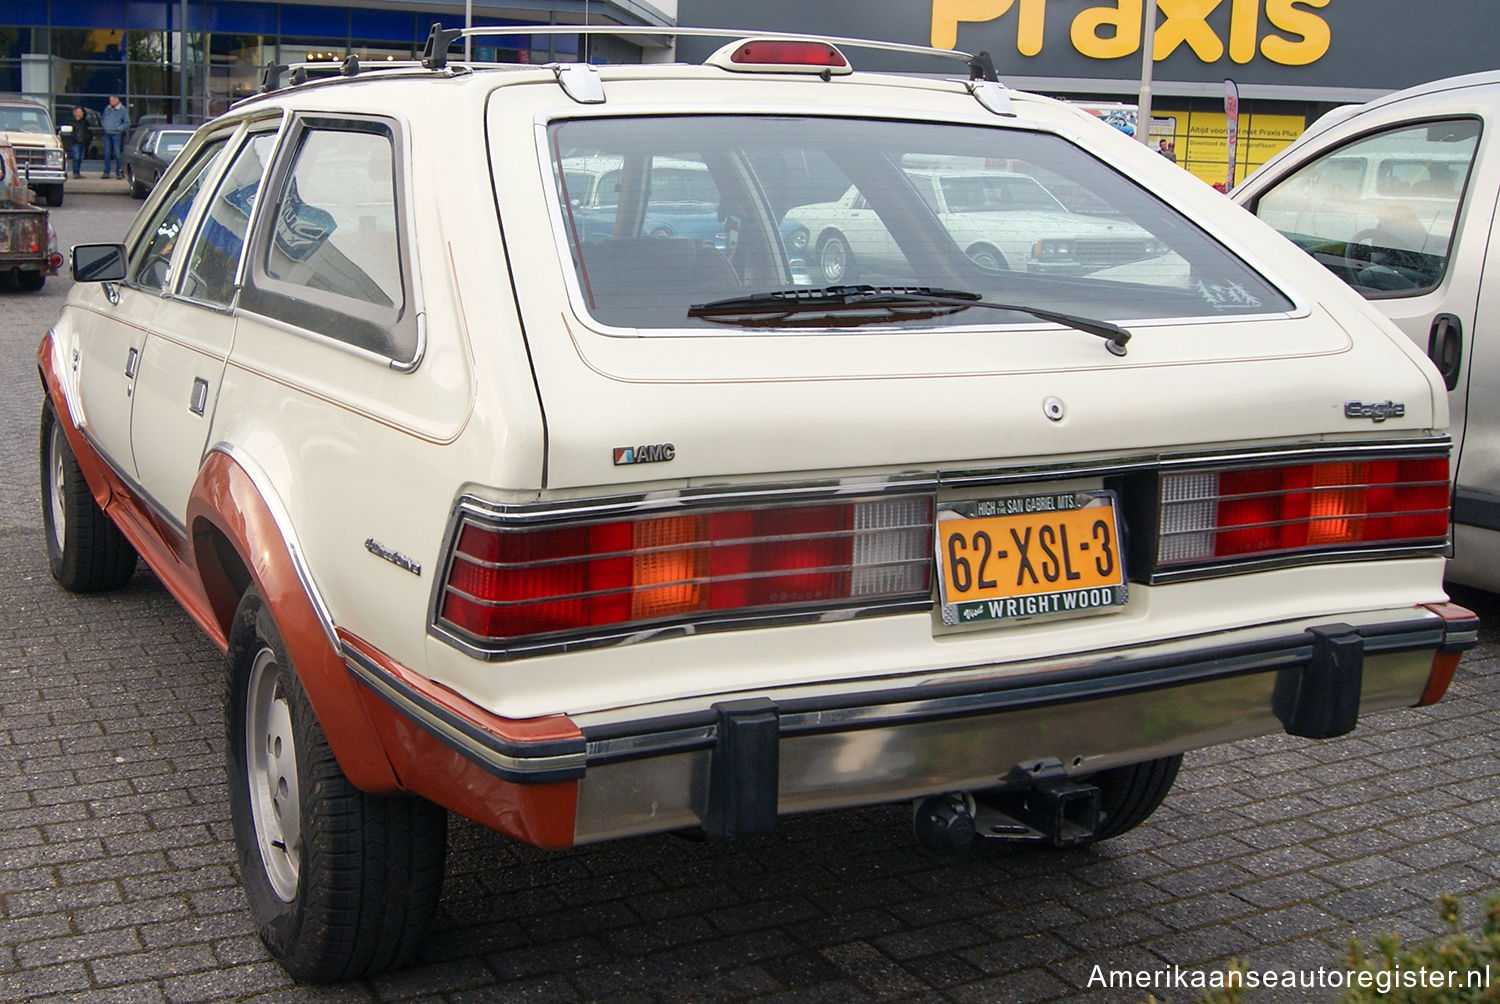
(1148, 53)
(182, 57)
(468, 23)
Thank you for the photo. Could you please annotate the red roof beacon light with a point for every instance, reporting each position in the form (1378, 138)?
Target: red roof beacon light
(773, 55)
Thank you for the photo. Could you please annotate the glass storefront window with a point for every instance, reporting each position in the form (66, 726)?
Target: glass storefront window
(68, 52)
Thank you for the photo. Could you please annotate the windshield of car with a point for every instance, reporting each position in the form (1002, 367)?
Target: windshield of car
(21, 118)
(666, 212)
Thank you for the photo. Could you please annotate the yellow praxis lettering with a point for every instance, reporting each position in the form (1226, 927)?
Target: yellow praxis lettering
(1112, 30)
(1312, 30)
(1187, 21)
(1124, 22)
(948, 14)
(1244, 26)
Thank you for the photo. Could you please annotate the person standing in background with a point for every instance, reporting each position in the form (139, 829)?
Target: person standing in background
(114, 122)
(79, 139)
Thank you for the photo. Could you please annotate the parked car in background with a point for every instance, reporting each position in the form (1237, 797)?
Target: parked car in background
(28, 244)
(585, 532)
(681, 199)
(148, 153)
(1398, 199)
(1001, 219)
(27, 127)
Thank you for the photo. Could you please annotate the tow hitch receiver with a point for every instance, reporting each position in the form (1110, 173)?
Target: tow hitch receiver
(1061, 812)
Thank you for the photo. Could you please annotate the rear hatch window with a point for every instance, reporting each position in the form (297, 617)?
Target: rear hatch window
(662, 215)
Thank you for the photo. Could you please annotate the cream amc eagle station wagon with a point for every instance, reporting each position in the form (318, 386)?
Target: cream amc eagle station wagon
(585, 532)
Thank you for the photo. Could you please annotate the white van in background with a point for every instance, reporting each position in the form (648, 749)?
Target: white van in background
(1398, 198)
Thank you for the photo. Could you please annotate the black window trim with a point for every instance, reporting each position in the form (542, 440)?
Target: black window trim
(313, 311)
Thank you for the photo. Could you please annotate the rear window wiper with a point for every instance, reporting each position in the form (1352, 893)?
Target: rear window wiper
(775, 307)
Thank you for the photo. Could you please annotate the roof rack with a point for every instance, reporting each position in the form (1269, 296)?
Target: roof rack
(980, 65)
(983, 82)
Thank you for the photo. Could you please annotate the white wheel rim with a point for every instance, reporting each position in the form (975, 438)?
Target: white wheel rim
(57, 485)
(271, 763)
(833, 260)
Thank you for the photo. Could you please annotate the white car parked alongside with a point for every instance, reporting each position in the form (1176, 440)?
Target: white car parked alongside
(1398, 198)
(583, 532)
(1000, 220)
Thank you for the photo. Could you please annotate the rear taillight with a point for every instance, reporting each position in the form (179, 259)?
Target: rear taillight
(1213, 515)
(505, 583)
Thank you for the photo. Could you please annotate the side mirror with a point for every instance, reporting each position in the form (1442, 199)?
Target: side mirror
(98, 262)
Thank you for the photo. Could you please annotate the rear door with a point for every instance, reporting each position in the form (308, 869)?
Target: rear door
(192, 333)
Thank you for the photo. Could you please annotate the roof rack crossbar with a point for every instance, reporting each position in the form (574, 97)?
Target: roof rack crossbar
(986, 65)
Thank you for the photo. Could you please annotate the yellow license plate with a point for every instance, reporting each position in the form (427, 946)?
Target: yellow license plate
(1029, 556)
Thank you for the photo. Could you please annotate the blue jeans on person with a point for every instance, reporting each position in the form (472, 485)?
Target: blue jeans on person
(112, 154)
(76, 151)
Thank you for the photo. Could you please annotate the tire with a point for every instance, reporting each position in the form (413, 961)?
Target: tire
(835, 261)
(54, 195)
(1128, 795)
(31, 282)
(86, 551)
(341, 884)
(988, 258)
(137, 190)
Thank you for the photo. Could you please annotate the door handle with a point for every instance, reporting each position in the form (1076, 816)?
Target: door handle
(1445, 347)
(198, 403)
(132, 360)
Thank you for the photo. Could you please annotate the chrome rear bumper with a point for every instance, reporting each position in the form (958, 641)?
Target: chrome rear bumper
(732, 768)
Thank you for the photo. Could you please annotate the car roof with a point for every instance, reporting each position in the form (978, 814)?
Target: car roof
(1487, 80)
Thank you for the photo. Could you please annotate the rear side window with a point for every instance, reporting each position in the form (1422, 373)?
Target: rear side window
(1380, 212)
(332, 259)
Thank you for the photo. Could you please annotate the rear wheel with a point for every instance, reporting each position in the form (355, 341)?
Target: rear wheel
(341, 884)
(54, 195)
(30, 282)
(137, 190)
(987, 257)
(86, 551)
(834, 259)
(1128, 795)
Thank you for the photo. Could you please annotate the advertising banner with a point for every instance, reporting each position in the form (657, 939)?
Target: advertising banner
(1232, 120)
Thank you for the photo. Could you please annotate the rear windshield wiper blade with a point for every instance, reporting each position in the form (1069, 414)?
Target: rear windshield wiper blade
(785, 303)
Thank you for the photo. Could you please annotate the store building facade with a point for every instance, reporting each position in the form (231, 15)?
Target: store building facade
(78, 52)
(1290, 60)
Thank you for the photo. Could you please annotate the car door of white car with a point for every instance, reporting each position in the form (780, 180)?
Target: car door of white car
(1409, 229)
(183, 360)
(112, 342)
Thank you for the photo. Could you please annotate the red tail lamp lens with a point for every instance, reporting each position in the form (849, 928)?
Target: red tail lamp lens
(506, 583)
(1209, 515)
